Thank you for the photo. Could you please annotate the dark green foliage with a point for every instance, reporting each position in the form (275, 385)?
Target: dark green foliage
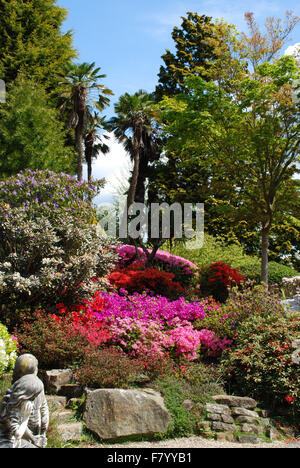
(191, 52)
(31, 41)
(31, 133)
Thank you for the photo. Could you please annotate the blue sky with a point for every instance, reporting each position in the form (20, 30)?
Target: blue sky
(127, 38)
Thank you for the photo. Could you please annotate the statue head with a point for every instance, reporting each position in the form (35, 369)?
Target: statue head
(26, 364)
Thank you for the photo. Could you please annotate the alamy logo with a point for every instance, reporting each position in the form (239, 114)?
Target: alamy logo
(2, 92)
(156, 221)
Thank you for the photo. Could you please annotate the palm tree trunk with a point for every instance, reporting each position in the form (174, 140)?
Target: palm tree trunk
(134, 180)
(79, 147)
(264, 255)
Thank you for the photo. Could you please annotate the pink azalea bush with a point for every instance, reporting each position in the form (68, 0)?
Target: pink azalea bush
(181, 267)
(143, 325)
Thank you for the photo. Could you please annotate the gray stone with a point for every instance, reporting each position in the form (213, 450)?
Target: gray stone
(223, 427)
(245, 439)
(56, 378)
(235, 401)
(217, 409)
(273, 434)
(252, 429)
(225, 437)
(70, 431)
(227, 419)
(56, 402)
(244, 412)
(214, 417)
(248, 420)
(188, 405)
(113, 413)
(62, 416)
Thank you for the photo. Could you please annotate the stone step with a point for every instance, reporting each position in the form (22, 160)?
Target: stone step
(63, 416)
(56, 403)
(71, 431)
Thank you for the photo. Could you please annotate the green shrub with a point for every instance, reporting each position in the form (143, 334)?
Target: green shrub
(251, 301)
(215, 250)
(107, 368)
(8, 350)
(260, 365)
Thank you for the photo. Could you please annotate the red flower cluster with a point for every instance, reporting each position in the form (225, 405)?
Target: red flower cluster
(83, 322)
(219, 272)
(138, 279)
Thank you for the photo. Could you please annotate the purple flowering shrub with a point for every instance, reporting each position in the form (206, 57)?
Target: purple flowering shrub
(49, 248)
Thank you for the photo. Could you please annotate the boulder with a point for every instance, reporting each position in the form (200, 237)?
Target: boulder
(235, 401)
(114, 413)
(56, 378)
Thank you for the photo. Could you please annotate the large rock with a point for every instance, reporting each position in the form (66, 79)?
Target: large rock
(56, 378)
(235, 401)
(113, 413)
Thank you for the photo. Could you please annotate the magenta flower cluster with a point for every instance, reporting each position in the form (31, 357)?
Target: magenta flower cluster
(171, 262)
(142, 324)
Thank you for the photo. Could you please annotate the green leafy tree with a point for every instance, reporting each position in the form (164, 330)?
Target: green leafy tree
(31, 133)
(250, 134)
(79, 83)
(31, 41)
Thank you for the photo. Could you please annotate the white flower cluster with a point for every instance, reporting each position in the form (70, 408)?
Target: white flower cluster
(8, 350)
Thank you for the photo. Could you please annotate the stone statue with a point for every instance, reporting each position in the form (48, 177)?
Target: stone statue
(24, 413)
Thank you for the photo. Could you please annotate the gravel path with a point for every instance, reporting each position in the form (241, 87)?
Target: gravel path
(196, 442)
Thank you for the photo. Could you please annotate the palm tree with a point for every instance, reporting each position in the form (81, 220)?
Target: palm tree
(135, 127)
(79, 81)
(93, 142)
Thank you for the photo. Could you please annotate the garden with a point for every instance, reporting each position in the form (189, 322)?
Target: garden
(205, 335)
(75, 299)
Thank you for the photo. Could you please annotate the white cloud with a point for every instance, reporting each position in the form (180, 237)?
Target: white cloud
(113, 166)
(294, 50)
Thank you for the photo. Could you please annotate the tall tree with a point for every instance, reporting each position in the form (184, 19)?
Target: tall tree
(76, 89)
(31, 41)
(191, 52)
(253, 137)
(31, 133)
(135, 126)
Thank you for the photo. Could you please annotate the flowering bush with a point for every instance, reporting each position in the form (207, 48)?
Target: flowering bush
(136, 278)
(49, 251)
(260, 365)
(145, 307)
(216, 279)
(252, 300)
(107, 368)
(61, 340)
(8, 350)
(182, 268)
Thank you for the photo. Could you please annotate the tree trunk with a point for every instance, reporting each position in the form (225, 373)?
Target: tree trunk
(79, 147)
(134, 179)
(265, 255)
